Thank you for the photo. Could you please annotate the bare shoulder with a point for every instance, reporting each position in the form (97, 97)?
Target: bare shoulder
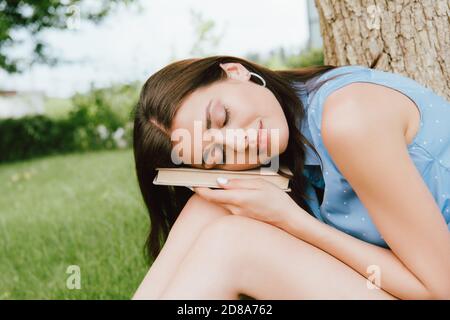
(362, 106)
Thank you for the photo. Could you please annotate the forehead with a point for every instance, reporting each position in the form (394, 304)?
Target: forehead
(193, 106)
(191, 109)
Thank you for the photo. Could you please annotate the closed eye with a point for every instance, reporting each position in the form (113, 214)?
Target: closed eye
(227, 119)
(222, 147)
(227, 116)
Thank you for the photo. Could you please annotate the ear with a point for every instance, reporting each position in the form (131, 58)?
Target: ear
(236, 71)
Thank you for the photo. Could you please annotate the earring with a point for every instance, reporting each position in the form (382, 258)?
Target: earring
(261, 78)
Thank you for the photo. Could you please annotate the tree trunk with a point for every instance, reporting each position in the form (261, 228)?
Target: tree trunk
(409, 37)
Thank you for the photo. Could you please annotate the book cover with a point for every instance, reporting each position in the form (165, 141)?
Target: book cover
(194, 177)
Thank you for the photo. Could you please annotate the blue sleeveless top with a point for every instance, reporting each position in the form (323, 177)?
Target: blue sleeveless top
(430, 150)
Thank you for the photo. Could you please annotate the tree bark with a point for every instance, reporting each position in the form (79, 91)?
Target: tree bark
(409, 37)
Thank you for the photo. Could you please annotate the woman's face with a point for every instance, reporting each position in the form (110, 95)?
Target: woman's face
(234, 124)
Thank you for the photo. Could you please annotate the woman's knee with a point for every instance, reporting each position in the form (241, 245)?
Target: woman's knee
(198, 207)
(194, 217)
(229, 235)
(217, 246)
(198, 212)
(242, 237)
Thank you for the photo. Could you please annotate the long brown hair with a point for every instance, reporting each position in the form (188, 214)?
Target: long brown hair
(161, 96)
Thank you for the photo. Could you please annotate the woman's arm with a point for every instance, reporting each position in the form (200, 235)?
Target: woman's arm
(395, 277)
(367, 143)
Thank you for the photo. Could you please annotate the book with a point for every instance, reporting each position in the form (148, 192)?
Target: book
(193, 177)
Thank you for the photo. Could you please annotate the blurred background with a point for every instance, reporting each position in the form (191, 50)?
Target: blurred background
(70, 74)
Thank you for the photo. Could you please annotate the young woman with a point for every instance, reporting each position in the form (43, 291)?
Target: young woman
(368, 215)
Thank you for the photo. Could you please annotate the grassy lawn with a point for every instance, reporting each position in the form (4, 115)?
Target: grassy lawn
(79, 209)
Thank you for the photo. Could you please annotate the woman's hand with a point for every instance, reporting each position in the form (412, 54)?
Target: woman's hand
(253, 197)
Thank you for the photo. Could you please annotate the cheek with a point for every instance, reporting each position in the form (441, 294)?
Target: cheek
(284, 138)
(280, 123)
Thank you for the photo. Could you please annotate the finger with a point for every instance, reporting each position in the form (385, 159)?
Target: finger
(241, 183)
(219, 195)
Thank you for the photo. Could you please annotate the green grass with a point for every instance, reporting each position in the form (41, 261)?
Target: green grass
(79, 209)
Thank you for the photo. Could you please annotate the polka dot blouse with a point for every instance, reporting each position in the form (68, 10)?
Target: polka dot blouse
(339, 205)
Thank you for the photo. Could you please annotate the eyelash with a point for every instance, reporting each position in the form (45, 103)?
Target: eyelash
(227, 116)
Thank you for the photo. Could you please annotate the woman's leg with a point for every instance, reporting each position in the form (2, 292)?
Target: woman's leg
(239, 255)
(196, 214)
